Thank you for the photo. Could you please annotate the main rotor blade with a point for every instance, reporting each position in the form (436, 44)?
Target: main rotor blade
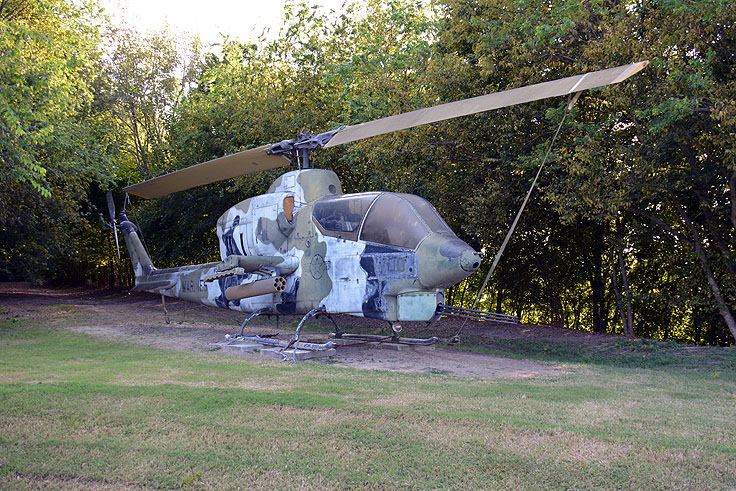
(233, 165)
(483, 103)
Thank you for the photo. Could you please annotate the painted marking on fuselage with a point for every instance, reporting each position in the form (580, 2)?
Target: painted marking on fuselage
(189, 285)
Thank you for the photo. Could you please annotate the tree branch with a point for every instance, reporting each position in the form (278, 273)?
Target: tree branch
(712, 227)
(732, 192)
(659, 222)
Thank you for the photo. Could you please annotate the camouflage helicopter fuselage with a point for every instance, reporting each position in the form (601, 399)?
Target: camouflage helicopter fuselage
(304, 245)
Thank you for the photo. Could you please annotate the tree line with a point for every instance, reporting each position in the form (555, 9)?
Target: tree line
(632, 229)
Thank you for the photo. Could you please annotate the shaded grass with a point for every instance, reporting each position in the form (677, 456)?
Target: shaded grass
(638, 353)
(81, 412)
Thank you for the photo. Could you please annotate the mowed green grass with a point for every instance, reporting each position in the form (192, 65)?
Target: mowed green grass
(80, 412)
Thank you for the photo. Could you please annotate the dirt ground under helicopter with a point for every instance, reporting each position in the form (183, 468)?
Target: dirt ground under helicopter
(139, 318)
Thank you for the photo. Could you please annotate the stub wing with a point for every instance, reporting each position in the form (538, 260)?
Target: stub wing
(236, 264)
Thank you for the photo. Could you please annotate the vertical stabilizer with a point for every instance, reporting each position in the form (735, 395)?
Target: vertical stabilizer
(142, 265)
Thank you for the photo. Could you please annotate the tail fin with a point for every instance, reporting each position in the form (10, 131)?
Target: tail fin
(142, 265)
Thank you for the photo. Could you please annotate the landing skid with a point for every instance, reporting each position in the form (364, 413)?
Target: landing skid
(287, 344)
(376, 338)
(289, 349)
(394, 338)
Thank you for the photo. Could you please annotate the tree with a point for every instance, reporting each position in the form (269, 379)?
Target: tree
(47, 54)
(141, 87)
(53, 140)
(657, 146)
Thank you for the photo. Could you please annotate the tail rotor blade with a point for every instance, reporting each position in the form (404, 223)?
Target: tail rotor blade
(117, 243)
(111, 209)
(110, 205)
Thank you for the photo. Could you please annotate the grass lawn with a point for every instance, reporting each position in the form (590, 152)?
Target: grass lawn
(80, 412)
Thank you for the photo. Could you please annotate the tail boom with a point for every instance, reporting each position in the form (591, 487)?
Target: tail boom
(208, 283)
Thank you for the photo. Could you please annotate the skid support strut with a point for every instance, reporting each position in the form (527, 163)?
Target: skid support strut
(338, 332)
(396, 330)
(252, 316)
(295, 340)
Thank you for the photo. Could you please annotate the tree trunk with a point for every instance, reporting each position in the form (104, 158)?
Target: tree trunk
(596, 281)
(732, 193)
(561, 317)
(723, 308)
(629, 325)
(619, 300)
(575, 306)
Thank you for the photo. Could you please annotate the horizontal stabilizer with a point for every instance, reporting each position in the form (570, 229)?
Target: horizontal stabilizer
(146, 286)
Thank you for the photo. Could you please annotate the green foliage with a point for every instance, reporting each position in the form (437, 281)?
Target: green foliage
(47, 54)
(53, 238)
(53, 141)
(140, 88)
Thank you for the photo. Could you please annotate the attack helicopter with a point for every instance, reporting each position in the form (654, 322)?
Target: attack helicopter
(305, 248)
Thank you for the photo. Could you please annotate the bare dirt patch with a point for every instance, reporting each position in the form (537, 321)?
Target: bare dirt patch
(443, 360)
(140, 318)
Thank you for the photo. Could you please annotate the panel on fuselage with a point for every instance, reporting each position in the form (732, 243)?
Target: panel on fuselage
(349, 279)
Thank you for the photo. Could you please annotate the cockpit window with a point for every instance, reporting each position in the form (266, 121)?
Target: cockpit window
(340, 216)
(401, 220)
(392, 221)
(429, 214)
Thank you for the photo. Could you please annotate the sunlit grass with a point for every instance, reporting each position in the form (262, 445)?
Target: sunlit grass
(76, 411)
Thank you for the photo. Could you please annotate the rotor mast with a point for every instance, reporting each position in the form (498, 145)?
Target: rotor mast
(300, 150)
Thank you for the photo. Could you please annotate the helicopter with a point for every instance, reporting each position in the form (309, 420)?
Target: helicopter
(305, 248)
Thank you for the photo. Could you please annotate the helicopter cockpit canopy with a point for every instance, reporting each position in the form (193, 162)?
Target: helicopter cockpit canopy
(396, 219)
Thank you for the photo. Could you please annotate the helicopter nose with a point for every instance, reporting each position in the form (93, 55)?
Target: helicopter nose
(469, 260)
(444, 261)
